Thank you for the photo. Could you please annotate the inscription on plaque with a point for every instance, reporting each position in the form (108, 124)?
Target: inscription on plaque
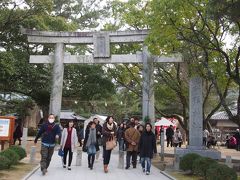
(101, 45)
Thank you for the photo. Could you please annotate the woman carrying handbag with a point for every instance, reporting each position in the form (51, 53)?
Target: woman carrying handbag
(68, 143)
(109, 140)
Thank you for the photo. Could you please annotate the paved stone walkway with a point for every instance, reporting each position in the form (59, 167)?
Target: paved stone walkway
(56, 172)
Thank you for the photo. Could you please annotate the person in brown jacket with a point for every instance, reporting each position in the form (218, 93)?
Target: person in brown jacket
(132, 137)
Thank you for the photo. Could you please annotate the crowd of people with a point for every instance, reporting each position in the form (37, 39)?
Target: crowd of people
(137, 140)
(174, 138)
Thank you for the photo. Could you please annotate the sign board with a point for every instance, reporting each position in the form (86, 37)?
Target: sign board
(4, 127)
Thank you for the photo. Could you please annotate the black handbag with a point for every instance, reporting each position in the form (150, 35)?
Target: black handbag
(84, 148)
(100, 141)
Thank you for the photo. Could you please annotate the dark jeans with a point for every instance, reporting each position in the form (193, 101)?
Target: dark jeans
(178, 144)
(15, 139)
(66, 151)
(132, 154)
(91, 158)
(238, 146)
(169, 141)
(46, 156)
(204, 141)
(106, 155)
(121, 144)
(80, 142)
(148, 162)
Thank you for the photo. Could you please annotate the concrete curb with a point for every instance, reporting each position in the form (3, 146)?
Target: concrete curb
(31, 173)
(167, 175)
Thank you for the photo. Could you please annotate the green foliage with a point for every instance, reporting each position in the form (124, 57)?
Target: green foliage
(20, 151)
(187, 161)
(4, 162)
(220, 9)
(87, 82)
(202, 164)
(32, 131)
(146, 119)
(220, 172)
(11, 155)
(18, 76)
(22, 107)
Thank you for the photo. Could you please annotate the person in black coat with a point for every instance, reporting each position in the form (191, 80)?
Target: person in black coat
(99, 136)
(17, 134)
(147, 146)
(120, 136)
(169, 134)
(237, 136)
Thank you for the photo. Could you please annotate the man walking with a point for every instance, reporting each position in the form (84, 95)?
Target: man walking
(205, 137)
(99, 136)
(169, 134)
(132, 136)
(49, 132)
(237, 136)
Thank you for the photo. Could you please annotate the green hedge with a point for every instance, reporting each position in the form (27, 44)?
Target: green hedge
(186, 162)
(20, 151)
(220, 172)
(4, 163)
(11, 155)
(202, 164)
(208, 168)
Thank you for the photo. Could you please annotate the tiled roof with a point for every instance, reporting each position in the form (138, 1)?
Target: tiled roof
(222, 115)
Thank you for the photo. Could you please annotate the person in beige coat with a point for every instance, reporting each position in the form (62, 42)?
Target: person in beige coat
(132, 137)
(68, 143)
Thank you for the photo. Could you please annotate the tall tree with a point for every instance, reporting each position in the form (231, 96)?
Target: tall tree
(34, 80)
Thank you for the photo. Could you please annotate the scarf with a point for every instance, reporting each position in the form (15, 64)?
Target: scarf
(110, 126)
(91, 137)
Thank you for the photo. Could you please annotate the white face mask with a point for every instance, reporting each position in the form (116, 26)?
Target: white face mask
(51, 120)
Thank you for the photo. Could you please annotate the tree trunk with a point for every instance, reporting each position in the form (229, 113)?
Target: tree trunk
(45, 110)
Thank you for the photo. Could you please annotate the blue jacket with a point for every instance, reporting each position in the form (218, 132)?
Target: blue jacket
(48, 132)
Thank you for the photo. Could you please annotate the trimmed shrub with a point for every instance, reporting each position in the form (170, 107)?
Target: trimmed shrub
(11, 155)
(202, 164)
(220, 172)
(186, 162)
(20, 151)
(4, 163)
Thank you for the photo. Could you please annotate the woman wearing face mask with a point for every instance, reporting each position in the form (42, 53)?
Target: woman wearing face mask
(49, 132)
(69, 141)
(109, 132)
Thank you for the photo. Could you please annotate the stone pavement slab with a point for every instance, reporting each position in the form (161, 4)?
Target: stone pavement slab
(56, 172)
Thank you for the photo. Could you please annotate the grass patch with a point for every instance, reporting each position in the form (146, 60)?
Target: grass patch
(180, 176)
(16, 172)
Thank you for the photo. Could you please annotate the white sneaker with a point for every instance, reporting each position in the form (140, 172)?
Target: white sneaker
(147, 173)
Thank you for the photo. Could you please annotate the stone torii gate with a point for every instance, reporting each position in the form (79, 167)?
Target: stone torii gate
(101, 42)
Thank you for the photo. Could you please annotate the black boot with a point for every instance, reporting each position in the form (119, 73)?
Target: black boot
(92, 161)
(89, 161)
